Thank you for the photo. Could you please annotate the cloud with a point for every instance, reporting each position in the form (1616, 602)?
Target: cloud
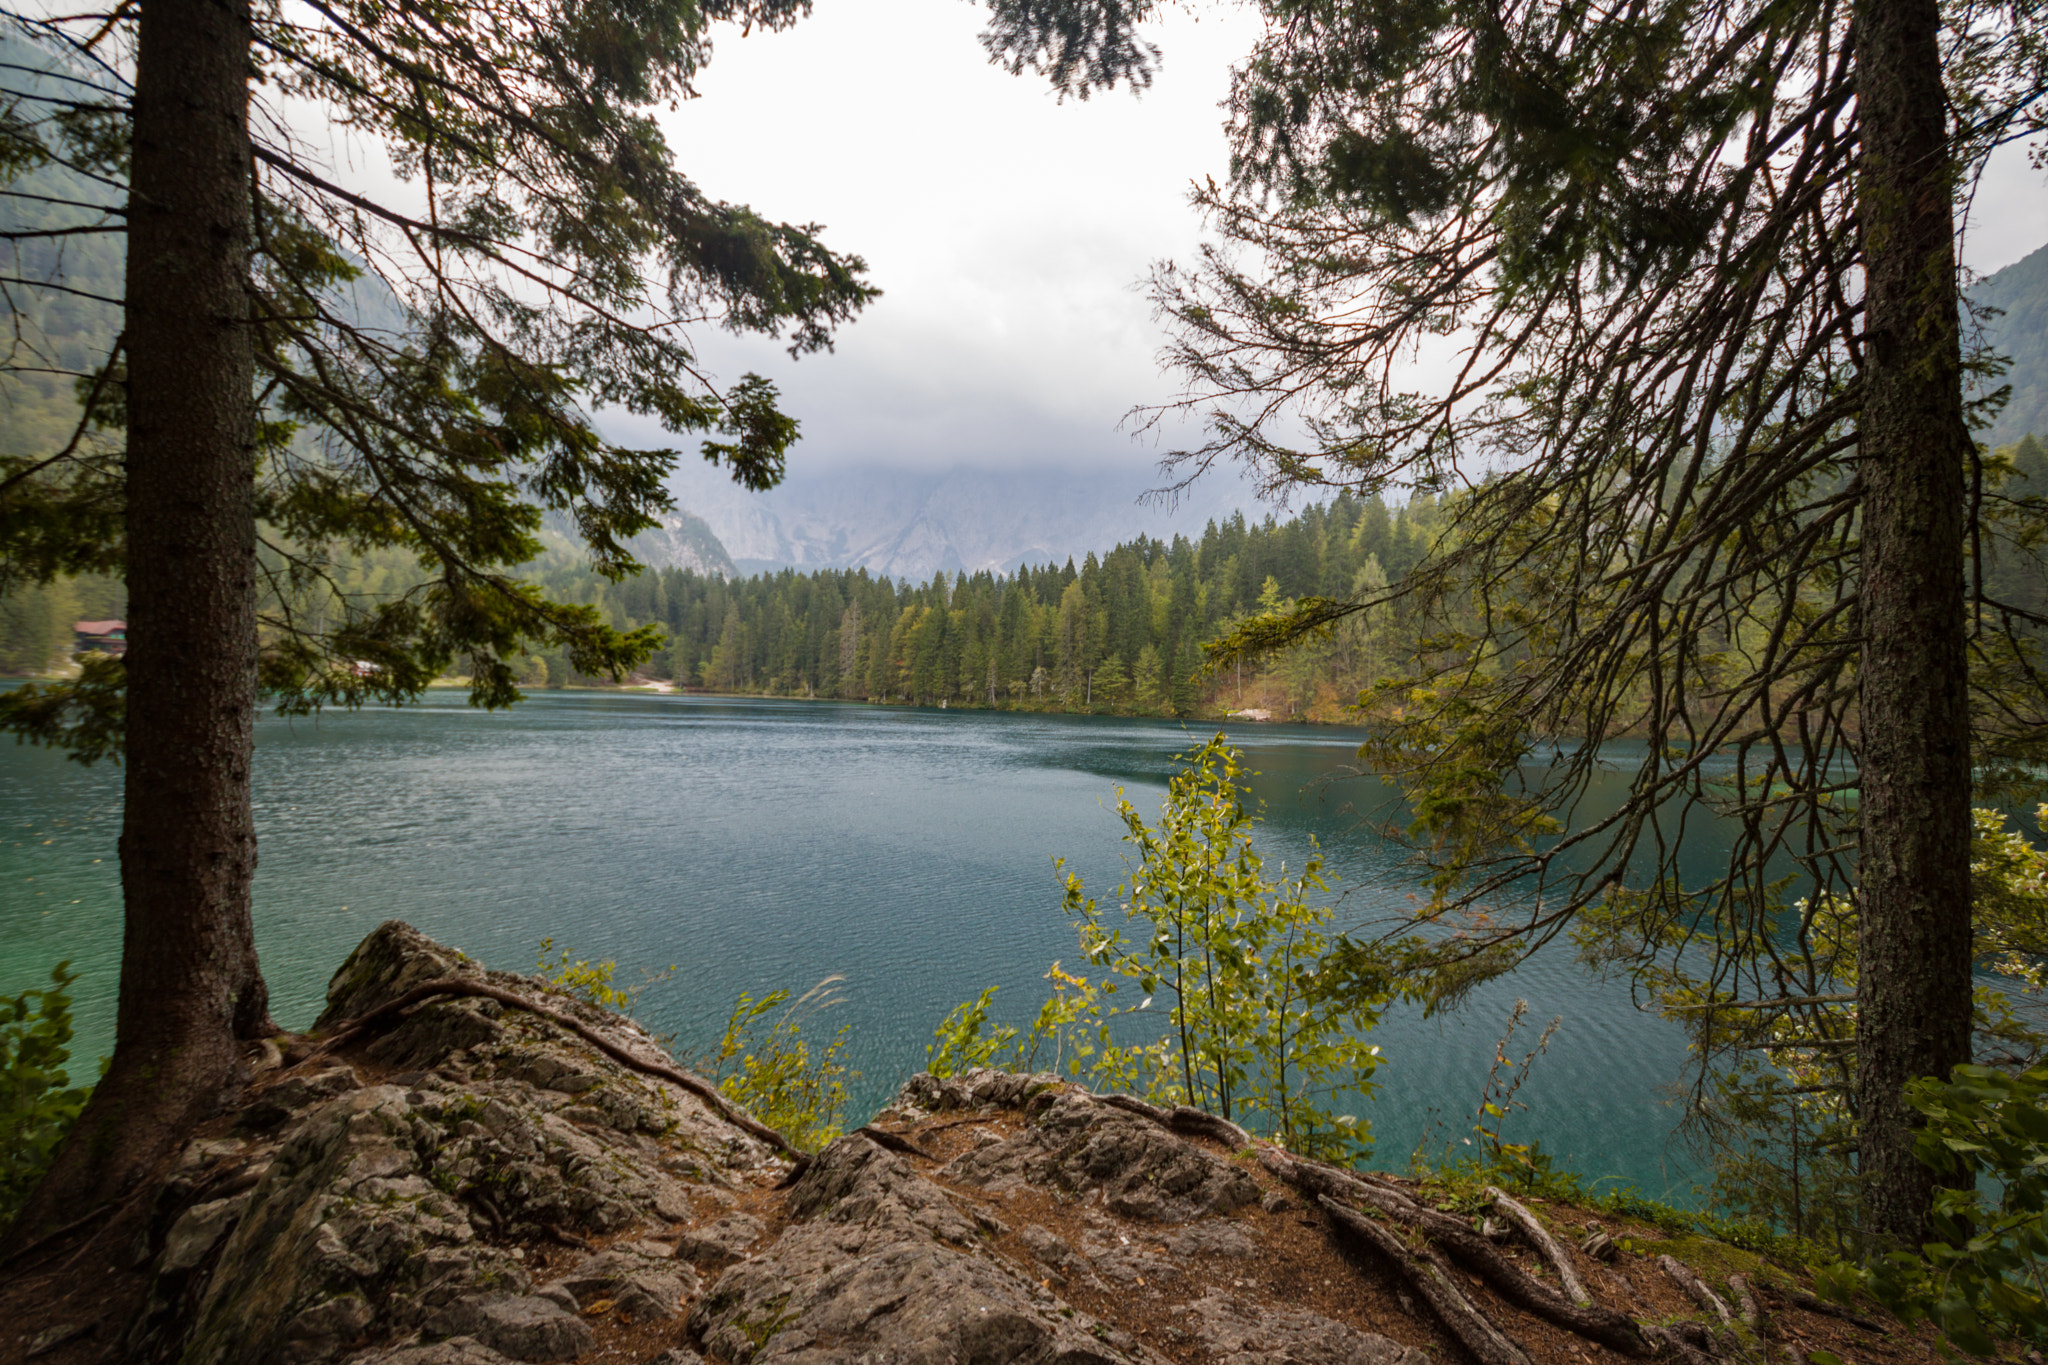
(1007, 230)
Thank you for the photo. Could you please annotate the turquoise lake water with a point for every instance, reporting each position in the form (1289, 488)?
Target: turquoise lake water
(758, 844)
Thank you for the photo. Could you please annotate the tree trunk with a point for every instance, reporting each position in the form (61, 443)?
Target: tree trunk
(1913, 999)
(190, 987)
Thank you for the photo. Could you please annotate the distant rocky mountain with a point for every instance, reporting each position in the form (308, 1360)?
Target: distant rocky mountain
(683, 541)
(914, 523)
(2021, 291)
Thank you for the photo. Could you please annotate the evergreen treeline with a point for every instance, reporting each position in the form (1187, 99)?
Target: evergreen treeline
(1122, 632)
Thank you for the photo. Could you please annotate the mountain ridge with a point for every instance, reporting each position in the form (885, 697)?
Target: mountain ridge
(2020, 293)
(915, 523)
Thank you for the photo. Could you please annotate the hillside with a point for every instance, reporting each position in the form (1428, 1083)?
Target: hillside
(2021, 291)
(909, 523)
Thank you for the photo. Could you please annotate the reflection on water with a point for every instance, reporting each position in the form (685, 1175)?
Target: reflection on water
(757, 844)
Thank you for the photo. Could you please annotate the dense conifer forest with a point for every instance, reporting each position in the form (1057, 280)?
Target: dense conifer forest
(1119, 633)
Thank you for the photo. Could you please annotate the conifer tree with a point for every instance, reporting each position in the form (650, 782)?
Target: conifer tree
(305, 368)
(1714, 482)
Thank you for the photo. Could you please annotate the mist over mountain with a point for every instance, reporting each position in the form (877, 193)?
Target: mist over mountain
(910, 523)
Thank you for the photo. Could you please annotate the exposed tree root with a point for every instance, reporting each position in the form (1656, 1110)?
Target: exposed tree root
(1540, 1238)
(1696, 1288)
(1471, 1250)
(1428, 1276)
(388, 1015)
(1183, 1119)
(1813, 1303)
(895, 1142)
(1674, 1341)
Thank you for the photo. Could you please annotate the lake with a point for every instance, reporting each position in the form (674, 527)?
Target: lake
(759, 844)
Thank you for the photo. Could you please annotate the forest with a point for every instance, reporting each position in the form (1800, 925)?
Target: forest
(1123, 632)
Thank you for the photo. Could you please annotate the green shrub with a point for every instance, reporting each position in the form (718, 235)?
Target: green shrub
(37, 1104)
(1257, 1030)
(765, 1065)
(593, 982)
(1981, 1279)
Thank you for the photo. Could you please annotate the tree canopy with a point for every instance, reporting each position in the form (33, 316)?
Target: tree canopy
(1689, 279)
(308, 371)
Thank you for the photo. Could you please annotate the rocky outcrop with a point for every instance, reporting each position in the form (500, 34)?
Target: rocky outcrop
(506, 1174)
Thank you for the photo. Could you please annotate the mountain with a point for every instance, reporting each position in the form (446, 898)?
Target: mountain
(683, 541)
(2021, 291)
(914, 523)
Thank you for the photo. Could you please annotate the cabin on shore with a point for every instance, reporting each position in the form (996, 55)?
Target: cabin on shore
(108, 637)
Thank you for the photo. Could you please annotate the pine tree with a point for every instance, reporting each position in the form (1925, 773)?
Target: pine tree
(1700, 266)
(304, 369)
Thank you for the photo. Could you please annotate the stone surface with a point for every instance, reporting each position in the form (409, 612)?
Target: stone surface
(521, 1326)
(721, 1242)
(455, 1351)
(637, 1285)
(476, 1185)
(878, 1264)
(376, 1208)
(1133, 1166)
(1239, 1333)
(198, 1230)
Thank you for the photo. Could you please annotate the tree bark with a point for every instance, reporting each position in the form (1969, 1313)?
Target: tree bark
(1913, 997)
(190, 987)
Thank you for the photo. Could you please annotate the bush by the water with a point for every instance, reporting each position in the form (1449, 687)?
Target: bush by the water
(1254, 1030)
(38, 1104)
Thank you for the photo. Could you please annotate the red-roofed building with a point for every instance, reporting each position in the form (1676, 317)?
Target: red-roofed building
(108, 637)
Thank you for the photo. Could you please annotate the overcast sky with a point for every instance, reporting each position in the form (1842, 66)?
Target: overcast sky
(1007, 230)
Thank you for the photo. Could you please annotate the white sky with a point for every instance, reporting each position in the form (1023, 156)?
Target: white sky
(1007, 230)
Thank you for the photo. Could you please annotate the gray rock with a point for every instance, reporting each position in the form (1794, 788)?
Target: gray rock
(639, 1287)
(319, 1332)
(870, 1185)
(454, 1351)
(1050, 1250)
(1122, 1260)
(720, 1242)
(295, 1094)
(879, 1266)
(1238, 1333)
(1140, 1169)
(377, 1209)
(1210, 1237)
(198, 1230)
(559, 1294)
(980, 1088)
(391, 961)
(522, 1326)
